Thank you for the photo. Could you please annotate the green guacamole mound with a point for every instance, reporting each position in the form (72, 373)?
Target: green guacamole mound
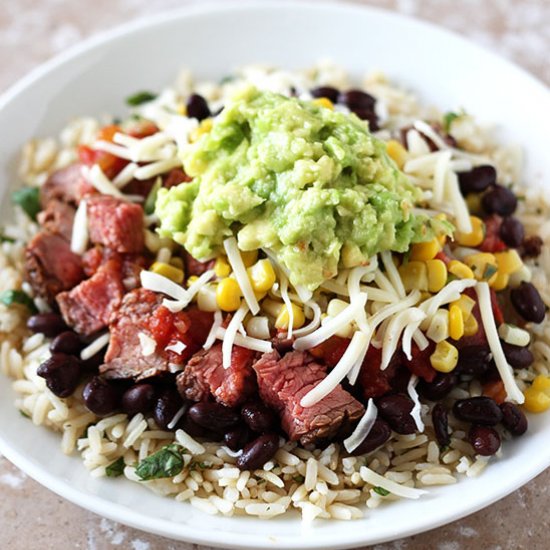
(309, 183)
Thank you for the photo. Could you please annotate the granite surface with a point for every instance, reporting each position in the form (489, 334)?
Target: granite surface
(31, 31)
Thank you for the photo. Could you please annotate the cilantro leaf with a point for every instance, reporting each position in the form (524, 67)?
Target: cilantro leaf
(6, 239)
(149, 206)
(140, 97)
(28, 198)
(116, 468)
(381, 491)
(10, 297)
(166, 462)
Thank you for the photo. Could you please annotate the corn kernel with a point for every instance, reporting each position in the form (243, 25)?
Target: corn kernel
(471, 326)
(272, 307)
(206, 298)
(442, 239)
(324, 102)
(351, 255)
(204, 127)
(169, 271)
(499, 281)
(298, 318)
(425, 251)
(249, 257)
(221, 267)
(475, 237)
(482, 264)
(473, 202)
(456, 323)
(181, 109)
(191, 279)
(438, 327)
(466, 305)
(508, 262)
(228, 295)
(541, 383)
(414, 275)
(514, 335)
(522, 275)
(397, 152)
(437, 275)
(445, 357)
(262, 276)
(537, 397)
(460, 270)
(176, 261)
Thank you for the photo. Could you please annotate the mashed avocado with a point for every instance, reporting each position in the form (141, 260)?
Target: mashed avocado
(309, 183)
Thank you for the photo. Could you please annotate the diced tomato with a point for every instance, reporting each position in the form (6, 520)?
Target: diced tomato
(200, 323)
(142, 128)
(175, 177)
(373, 381)
(492, 241)
(107, 133)
(443, 257)
(161, 325)
(497, 312)
(331, 350)
(420, 362)
(495, 390)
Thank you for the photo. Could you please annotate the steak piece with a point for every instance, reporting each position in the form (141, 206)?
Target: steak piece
(284, 381)
(142, 312)
(88, 307)
(65, 185)
(195, 267)
(204, 375)
(50, 266)
(58, 217)
(116, 224)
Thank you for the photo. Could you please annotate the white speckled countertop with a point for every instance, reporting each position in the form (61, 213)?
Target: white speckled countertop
(31, 31)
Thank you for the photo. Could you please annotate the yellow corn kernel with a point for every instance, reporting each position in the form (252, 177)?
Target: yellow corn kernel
(473, 202)
(456, 323)
(262, 276)
(414, 276)
(445, 357)
(182, 109)
(204, 127)
(499, 281)
(324, 102)
(475, 237)
(482, 264)
(471, 326)
(425, 251)
(437, 275)
(537, 396)
(442, 239)
(191, 280)
(508, 262)
(298, 317)
(541, 383)
(466, 305)
(397, 152)
(176, 261)
(460, 270)
(249, 257)
(169, 271)
(221, 267)
(228, 295)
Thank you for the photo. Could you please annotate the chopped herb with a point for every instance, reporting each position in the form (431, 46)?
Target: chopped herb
(25, 414)
(490, 270)
(140, 97)
(6, 239)
(10, 297)
(448, 120)
(116, 468)
(299, 478)
(149, 206)
(117, 121)
(381, 491)
(166, 462)
(226, 79)
(444, 449)
(28, 198)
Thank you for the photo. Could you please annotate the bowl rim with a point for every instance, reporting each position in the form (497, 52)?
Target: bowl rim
(164, 527)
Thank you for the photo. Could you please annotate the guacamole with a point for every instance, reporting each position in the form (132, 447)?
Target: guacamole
(309, 183)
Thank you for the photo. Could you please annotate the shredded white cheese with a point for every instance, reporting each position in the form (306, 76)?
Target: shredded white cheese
(176, 347)
(338, 373)
(97, 345)
(148, 344)
(156, 168)
(231, 333)
(159, 283)
(363, 428)
(505, 370)
(211, 338)
(315, 321)
(416, 410)
(254, 344)
(191, 292)
(440, 175)
(288, 304)
(236, 262)
(258, 327)
(354, 288)
(393, 274)
(80, 234)
(173, 423)
(461, 212)
(101, 182)
(396, 488)
(429, 132)
(447, 294)
(125, 176)
(304, 294)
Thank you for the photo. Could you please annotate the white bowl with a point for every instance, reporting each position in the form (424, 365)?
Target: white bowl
(94, 77)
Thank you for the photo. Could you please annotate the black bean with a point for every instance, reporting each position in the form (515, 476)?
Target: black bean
(395, 410)
(473, 360)
(101, 396)
(439, 388)
(512, 232)
(378, 435)
(258, 417)
(237, 438)
(138, 399)
(499, 200)
(197, 107)
(357, 100)
(166, 407)
(531, 247)
(481, 410)
(49, 324)
(369, 116)
(484, 440)
(213, 416)
(477, 179)
(513, 419)
(528, 303)
(62, 374)
(519, 357)
(326, 91)
(258, 452)
(67, 342)
(440, 420)
(93, 363)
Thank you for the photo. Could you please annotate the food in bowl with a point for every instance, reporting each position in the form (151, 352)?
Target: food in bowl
(278, 291)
